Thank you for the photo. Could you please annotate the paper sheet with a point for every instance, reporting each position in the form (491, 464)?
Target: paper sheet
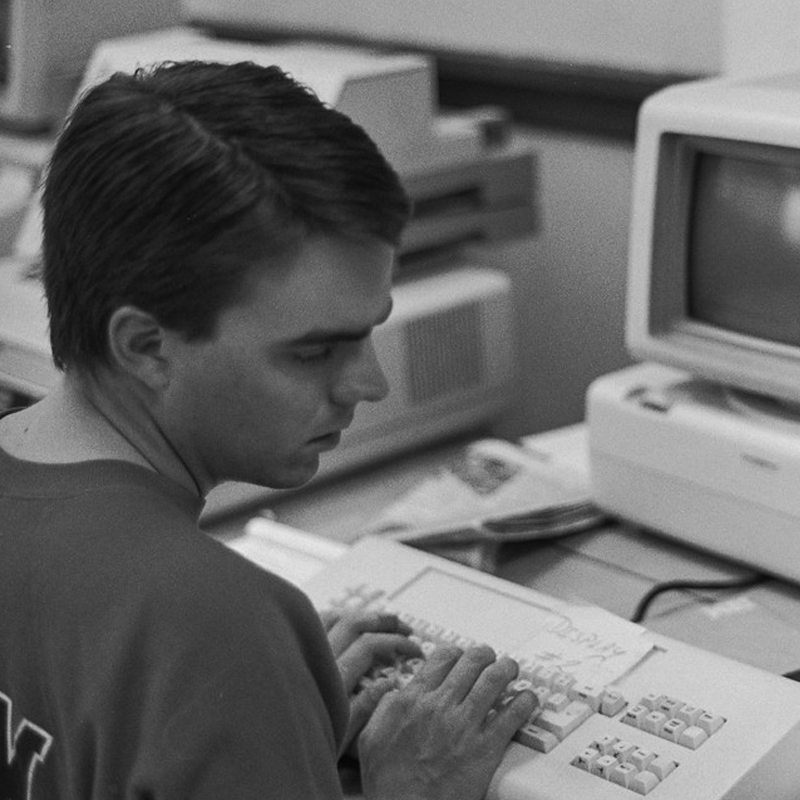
(494, 490)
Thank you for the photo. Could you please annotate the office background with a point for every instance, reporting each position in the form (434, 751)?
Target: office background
(570, 276)
(572, 75)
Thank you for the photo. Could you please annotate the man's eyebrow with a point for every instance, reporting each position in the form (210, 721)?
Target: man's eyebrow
(322, 335)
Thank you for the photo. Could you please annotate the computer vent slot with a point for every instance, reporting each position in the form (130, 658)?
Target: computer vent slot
(444, 353)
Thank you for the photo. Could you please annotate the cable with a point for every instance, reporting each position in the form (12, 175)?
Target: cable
(669, 586)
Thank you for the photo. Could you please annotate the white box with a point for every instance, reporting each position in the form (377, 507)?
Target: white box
(699, 463)
(392, 96)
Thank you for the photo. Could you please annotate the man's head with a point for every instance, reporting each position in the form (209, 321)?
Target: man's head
(166, 187)
(219, 245)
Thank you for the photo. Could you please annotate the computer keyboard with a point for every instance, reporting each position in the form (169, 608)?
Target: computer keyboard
(622, 712)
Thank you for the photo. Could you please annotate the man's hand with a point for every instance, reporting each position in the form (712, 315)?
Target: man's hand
(360, 641)
(442, 736)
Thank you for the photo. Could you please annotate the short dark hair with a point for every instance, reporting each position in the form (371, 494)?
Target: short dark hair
(165, 186)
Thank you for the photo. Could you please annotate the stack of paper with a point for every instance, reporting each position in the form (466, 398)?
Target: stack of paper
(499, 491)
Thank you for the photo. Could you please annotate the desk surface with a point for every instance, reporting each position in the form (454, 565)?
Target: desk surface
(613, 567)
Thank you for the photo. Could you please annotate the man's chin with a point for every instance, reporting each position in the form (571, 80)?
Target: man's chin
(294, 476)
(286, 475)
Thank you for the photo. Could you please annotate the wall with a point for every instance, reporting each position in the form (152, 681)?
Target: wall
(760, 37)
(569, 279)
(658, 35)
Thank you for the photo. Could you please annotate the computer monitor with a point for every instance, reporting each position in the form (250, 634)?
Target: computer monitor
(714, 267)
(702, 442)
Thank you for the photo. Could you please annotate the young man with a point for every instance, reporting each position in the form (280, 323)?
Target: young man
(218, 249)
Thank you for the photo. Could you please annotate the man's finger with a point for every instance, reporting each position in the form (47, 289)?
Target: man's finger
(329, 618)
(513, 715)
(460, 681)
(361, 707)
(438, 666)
(372, 649)
(351, 625)
(490, 686)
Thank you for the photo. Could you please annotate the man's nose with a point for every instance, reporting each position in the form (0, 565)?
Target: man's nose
(363, 379)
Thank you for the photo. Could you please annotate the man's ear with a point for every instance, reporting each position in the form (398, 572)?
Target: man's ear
(136, 346)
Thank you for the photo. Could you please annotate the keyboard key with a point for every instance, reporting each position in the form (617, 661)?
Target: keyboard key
(431, 630)
(612, 702)
(514, 688)
(531, 735)
(673, 729)
(652, 701)
(604, 766)
(544, 676)
(623, 774)
(542, 693)
(605, 744)
(585, 760)
(661, 766)
(689, 714)
(556, 701)
(670, 706)
(644, 782)
(641, 758)
(710, 723)
(654, 722)
(562, 683)
(590, 694)
(527, 669)
(622, 750)
(692, 737)
(563, 723)
(408, 618)
(428, 648)
(521, 685)
(634, 715)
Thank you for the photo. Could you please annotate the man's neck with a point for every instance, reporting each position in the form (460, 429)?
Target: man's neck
(86, 419)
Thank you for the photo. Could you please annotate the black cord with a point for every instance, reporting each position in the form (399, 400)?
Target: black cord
(669, 586)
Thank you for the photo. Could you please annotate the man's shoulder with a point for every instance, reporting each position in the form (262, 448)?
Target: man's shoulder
(139, 539)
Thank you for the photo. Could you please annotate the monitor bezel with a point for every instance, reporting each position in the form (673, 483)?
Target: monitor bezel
(659, 325)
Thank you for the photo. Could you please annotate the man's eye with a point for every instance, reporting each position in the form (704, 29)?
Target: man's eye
(311, 354)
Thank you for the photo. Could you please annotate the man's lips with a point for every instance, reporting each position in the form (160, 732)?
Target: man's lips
(333, 435)
(327, 441)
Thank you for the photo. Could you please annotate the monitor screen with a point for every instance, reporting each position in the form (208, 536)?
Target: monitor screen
(743, 241)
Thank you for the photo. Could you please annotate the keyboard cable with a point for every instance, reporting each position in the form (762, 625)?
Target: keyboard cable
(685, 585)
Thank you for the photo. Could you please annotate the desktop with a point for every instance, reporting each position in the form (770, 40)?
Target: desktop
(703, 442)
(748, 738)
